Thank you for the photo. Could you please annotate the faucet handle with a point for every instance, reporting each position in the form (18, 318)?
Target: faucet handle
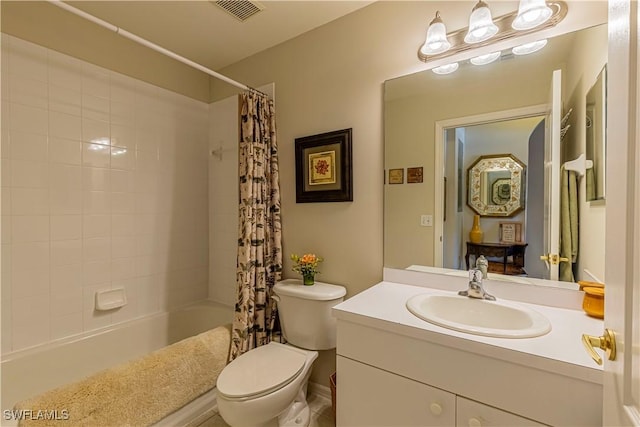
(475, 275)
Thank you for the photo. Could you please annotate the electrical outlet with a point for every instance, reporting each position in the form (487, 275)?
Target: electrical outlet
(426, 220)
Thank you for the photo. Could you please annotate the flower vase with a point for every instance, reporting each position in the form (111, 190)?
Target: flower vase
(476, 234)
(308, 279)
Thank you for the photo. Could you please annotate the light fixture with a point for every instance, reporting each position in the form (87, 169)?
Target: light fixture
(436, 41)
(446, 69)
(527, 48)
(531, 16)
(481, 26)
(485, 59)
(531, 13)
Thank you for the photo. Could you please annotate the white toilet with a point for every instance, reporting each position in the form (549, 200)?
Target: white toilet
(267, 386)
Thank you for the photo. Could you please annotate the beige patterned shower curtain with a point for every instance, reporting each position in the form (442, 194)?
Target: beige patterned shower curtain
(259, 264)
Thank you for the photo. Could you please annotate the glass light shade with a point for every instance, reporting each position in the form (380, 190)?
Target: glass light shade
(527, 48)
(531, 13)
(446, 69)
(481, 26)
(485, 59)
(436, 41)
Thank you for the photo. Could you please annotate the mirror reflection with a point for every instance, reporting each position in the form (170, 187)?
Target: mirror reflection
(496, 185)
(445, 123)
(596, 134)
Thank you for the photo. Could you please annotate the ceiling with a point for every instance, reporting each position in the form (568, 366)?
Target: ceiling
(206, 34)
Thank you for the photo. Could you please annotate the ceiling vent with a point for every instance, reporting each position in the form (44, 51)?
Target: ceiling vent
(240, 9)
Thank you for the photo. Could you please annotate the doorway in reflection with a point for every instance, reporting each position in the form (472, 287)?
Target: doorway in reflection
(523, 139)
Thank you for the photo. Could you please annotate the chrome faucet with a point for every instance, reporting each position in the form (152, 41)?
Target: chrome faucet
(475, 289)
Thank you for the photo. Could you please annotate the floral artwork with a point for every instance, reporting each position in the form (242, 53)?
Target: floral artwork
(322, 168)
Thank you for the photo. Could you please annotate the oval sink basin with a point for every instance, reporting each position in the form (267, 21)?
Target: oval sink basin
(498, 319)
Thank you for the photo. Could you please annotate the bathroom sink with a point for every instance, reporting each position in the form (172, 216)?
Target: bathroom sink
(500, 319)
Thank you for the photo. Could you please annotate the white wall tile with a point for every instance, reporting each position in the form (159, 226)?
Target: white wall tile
(69, 222)
(96, 179)
(28, 146)
(65, 252)
(28, 201)
(66, 227)
(96, 155)
(65, 100)
(25, 173)
(65, 201)
(66, 151)
(30, 228)
(63, 125)
(28, 119)
(63, 177)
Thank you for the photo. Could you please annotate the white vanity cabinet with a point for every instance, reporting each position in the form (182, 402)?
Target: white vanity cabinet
(393, 371)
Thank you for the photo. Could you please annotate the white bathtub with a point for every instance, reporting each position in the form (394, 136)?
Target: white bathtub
(27, 373)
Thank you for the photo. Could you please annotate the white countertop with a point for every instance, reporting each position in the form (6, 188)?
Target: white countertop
(561, 351)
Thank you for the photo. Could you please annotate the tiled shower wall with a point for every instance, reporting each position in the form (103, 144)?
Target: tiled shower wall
(104, 185)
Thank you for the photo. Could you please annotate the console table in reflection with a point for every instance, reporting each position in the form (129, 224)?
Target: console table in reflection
(497, 250)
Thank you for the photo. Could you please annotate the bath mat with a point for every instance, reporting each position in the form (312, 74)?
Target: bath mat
(137, 393)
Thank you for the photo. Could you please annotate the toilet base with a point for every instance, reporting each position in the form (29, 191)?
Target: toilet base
(298, 413)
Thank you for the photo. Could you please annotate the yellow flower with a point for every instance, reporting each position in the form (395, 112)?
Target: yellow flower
(307, 264)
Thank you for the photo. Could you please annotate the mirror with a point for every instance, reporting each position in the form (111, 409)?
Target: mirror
(596, 135)
(419, 106)
(496, 185)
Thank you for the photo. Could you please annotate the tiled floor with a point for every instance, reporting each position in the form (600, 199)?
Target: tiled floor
(321, 414)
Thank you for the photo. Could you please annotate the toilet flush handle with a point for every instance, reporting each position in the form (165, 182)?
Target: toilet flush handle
(275, 297)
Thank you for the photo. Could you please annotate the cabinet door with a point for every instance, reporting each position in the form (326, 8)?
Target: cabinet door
(368, 397)
(473, 414)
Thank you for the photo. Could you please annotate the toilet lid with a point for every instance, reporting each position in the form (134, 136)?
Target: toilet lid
(261, 370)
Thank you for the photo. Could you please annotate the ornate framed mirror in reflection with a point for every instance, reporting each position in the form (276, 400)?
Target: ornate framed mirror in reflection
(496, 185)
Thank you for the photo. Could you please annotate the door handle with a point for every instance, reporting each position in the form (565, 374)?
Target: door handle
(553, 259)
(606, 342)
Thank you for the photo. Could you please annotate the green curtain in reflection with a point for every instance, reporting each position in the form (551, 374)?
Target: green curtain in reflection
(568, 224)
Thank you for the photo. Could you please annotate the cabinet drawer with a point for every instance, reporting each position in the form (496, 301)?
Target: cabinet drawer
(474, 414)
(368, 397)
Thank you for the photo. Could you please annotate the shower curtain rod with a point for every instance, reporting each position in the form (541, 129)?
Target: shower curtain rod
(147, 43)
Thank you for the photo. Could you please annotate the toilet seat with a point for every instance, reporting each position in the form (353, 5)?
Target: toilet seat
(261, 371)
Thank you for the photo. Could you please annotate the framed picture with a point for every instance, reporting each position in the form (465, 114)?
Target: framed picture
(323, 167)
(511, 232)
(414, 175)
(396, 176)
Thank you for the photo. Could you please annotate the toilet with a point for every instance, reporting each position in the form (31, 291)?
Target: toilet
(267, 386)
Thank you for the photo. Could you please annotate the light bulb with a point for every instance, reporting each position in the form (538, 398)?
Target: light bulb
(485, 59)
(436, 41)
(527, 48)
(446, 69)
(531, 13)
(481, 26)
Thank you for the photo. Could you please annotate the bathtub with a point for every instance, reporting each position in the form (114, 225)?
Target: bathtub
(29, 372)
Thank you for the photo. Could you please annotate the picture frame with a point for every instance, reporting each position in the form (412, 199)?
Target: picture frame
(396, 176)
(511, 232)
(414, 175)
(323, 167)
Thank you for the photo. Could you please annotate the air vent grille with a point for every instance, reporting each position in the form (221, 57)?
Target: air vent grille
(240, 9)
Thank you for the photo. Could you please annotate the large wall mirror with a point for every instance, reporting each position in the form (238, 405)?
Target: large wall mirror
(416, 104)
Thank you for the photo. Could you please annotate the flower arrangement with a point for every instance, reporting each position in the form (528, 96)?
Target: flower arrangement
(307, 265)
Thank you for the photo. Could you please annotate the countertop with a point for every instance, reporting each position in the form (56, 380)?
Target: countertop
(561, 351)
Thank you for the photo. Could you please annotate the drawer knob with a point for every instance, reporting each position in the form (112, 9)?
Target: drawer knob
(436, 408)
(474, 422)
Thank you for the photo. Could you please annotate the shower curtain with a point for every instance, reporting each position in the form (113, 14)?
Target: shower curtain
(259, 264)
(568, 224)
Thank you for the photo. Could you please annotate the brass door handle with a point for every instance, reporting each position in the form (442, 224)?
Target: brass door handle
(606, 342)
(553, 259)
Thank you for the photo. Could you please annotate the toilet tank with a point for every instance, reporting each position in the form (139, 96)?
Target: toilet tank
(305, 313)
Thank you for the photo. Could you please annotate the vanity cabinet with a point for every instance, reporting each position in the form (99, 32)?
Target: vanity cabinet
(374, 397)
(391, 375)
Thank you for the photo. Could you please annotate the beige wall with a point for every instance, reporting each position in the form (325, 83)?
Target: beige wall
(57, 29)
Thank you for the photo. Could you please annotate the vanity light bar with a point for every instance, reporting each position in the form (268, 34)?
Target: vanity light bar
(505, 31)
